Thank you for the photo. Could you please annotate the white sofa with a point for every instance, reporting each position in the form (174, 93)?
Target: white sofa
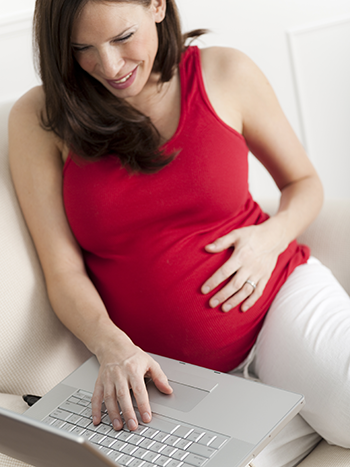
(36, 351)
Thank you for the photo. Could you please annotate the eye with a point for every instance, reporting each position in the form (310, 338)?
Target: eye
(124, 39)
(79, 49)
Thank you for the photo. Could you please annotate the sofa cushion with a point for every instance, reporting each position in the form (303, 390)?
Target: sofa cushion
(6, 461)
(13, 402)
(327, 456)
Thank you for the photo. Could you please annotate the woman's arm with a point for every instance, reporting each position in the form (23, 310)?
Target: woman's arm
(36, 167)
(243, 98)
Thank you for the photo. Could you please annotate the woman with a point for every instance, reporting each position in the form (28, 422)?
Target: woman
(130, 164)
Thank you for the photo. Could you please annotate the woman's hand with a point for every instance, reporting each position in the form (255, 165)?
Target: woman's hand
(120, 372)
(255, 253)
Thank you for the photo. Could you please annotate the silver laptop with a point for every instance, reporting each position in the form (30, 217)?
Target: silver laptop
(212, 420)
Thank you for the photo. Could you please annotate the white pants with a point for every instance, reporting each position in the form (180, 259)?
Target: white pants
(304, 346)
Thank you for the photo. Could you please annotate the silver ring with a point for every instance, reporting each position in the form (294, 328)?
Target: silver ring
(253, 284)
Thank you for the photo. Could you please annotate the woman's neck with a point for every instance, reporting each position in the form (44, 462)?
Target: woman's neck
(161, 103)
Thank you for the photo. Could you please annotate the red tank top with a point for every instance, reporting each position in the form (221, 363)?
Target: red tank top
(143, 236)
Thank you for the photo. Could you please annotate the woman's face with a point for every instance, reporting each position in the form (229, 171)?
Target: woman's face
(117, 42)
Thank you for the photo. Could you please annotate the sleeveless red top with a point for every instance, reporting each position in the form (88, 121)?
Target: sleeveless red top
(143, 236)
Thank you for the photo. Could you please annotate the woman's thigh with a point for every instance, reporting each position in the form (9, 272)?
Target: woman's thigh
(304, 346)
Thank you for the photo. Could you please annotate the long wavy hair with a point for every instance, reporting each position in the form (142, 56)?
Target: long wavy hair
(90, 120)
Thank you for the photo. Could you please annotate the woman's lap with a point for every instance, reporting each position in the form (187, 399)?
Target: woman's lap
(304, 346)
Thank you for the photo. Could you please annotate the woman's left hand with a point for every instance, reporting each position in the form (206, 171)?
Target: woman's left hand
(255, 252)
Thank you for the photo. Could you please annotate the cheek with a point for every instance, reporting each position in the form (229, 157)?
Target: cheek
(145, 48)
(87, 62)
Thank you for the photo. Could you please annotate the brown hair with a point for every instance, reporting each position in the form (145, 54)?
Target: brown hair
(80, 110)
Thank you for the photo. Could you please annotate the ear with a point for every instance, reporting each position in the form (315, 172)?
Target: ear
(159, 10)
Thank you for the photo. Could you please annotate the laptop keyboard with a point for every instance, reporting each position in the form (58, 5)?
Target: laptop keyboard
(163, 442)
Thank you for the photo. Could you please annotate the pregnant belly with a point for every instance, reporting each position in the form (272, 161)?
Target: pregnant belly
(154, 296)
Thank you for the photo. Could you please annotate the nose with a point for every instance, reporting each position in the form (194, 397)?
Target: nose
(110, 62)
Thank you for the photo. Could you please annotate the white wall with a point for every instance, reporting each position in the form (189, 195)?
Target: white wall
(303, 46)
(17, 71)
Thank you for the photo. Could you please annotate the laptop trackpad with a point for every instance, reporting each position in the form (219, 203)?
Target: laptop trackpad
(183, 398)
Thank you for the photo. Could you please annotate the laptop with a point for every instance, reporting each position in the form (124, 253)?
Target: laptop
(212, 419)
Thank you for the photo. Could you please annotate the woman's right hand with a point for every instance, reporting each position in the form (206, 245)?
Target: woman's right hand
(119, 372)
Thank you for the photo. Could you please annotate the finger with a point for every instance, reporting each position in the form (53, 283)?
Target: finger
(221, 243)
(227, 270)
(96, 403)
(254, 297)
(159, 378)
(141, 396)
(126, 406)
(245, 292)
(229, 289)
(110, 399)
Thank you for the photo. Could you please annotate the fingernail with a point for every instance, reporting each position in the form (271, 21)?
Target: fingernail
(227, 307)
(117, 424)
(212, 246)
(146, 417)
(95, 420)
(206, 289)
(131, 424)
(245, 308)
(214, 303)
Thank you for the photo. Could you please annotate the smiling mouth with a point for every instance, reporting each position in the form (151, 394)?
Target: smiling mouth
(123, 80)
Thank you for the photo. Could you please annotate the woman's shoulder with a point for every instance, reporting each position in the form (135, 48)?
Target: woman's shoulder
(26, 118)
(233, 80)
(218, 54)
(229, 66)
(26, 112)
(29, 104)
(229, 77)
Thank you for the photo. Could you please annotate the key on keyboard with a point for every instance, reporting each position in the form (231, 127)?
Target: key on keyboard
(162, 442)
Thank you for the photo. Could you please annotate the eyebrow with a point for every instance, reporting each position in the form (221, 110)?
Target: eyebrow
(118, 36)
